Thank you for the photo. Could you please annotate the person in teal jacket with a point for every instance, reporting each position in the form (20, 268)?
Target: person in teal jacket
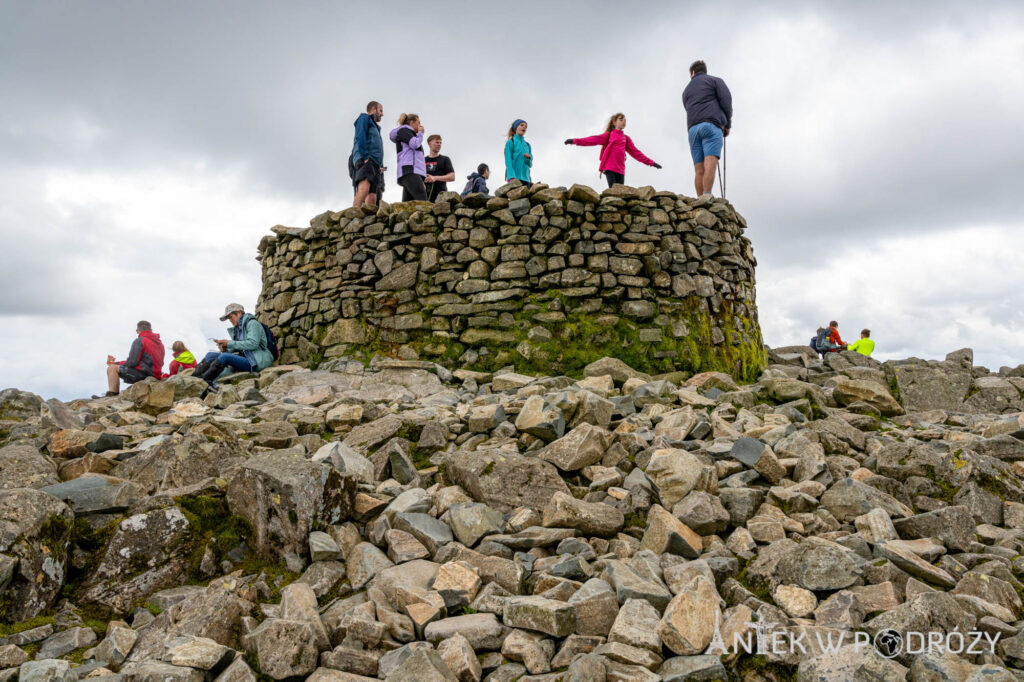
(247, 349)
(518, 155)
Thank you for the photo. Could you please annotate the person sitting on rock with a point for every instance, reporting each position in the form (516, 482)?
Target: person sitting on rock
(615, 144)
(833, 336)
(246, 351)
(477, 181)
(183, 359)
(518, 154)
(145, 359)
(827, 340)
(864, 345)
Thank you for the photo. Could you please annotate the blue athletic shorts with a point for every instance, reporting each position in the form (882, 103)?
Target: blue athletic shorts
(705, 140)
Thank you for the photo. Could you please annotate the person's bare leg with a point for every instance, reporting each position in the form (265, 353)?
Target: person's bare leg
(113, 381)
(698, 177)
(371, 199)
(710, 166)
(362, 190)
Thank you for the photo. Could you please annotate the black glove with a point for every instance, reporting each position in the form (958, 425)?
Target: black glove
(658, 166)
(569, 141)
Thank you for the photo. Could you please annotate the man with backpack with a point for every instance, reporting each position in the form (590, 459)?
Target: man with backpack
(366, 164)
(827, 340)
(477, 182)
(250, 348)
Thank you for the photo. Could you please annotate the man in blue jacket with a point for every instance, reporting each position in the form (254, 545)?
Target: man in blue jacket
(708, 104)
(368, 156)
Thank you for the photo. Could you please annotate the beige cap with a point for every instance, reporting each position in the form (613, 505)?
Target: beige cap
(232, 308)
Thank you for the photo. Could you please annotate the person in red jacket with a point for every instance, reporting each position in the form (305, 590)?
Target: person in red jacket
(145, 359)
(615, 144)
(183, 359)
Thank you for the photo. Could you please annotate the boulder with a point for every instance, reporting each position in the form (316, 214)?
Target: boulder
(23, 466)
(148, 552)
(666, 533)
(284, 496)
(284, 648)
(539, 614)
(504, 480)
(473, 521)
(583, 446)
(151, 396)
(541, 420)
(35, 529)
(849, 663)
(690, 618)
(848, 391)
(818, 564)
(590, 518)
(674, 473)
(932, 386)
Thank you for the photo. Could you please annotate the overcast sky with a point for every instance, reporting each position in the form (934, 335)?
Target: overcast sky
(145, 148)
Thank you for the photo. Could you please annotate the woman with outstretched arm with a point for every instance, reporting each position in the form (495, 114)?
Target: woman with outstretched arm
(615, 144)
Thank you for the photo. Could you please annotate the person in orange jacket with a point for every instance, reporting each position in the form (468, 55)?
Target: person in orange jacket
(833, 335)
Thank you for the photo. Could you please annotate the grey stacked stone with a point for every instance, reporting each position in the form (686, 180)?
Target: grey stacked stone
(499, 276)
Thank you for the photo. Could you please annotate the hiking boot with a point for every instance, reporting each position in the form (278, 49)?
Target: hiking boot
(210, 372)
(108, 394)
(207, 391)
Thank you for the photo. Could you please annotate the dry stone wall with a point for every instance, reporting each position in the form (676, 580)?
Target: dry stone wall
(549, 279)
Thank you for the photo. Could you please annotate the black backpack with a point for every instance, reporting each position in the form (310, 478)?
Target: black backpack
(271, 342)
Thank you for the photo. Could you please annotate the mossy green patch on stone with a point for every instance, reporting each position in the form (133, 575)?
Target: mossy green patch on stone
(7, 629)
(210, 520)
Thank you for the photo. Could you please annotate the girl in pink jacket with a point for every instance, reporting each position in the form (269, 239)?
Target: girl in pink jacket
(614, 145)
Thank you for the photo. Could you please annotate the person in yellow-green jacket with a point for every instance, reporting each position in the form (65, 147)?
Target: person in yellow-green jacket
(183, 359)
(864, 345)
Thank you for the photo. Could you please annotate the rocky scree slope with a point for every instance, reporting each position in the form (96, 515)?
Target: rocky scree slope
(402, 522)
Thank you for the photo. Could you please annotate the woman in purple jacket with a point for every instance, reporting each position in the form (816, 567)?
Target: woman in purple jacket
(412, 169)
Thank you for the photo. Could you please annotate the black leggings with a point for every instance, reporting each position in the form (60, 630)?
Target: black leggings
(614, 177)
(413, 187)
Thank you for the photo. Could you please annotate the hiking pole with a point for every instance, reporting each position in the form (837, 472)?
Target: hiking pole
(721, 167)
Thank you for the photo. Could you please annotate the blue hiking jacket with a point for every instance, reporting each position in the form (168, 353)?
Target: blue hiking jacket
(368, 143)
(475, 184)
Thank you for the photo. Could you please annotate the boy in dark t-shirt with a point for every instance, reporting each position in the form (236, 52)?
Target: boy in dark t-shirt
(439, 169)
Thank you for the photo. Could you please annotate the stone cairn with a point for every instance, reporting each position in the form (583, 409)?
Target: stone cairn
(548, 278)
